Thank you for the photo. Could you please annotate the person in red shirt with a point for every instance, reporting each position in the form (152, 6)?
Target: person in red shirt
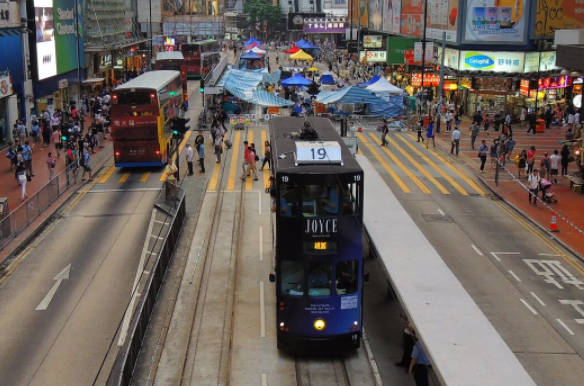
(530, 159)
(245, 163)
(251, 160)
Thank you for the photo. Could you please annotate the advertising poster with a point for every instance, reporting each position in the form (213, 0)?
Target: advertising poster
(45, 39)
(360, 12)
(397, 49)
(372, 41)
(546, 60)
(560, 14)
(499, 61)
(411, 17)
(450, 57)
(500, 21)
(373, 56)
(376, 14)
(442, 17)
(65, 36)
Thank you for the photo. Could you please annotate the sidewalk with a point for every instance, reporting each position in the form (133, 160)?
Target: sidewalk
(569, 206)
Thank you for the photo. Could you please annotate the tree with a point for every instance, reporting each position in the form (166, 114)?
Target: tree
(262, 11)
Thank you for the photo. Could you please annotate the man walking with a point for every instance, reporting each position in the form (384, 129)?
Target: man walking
(449, 117)
(201, 151)
(190, 156)
(533, 185)
(27, 157)
(483, 149)
(474, 134)
(384, 131)
(245, 163)
(455, 141)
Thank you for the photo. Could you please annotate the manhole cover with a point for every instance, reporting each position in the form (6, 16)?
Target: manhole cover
(436, 217)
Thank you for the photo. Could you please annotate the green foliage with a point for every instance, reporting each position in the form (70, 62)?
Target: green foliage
(262, 10)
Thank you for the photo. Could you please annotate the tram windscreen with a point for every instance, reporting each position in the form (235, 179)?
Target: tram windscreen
(289, 195)
(319, 279)
(320, 200)
(347, 277)
(292, 279)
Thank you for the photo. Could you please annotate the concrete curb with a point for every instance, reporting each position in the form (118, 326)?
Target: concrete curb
(517, 210)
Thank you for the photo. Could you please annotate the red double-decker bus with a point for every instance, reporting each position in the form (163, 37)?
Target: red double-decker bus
(200, 57)
(141, 113)
(174, 60)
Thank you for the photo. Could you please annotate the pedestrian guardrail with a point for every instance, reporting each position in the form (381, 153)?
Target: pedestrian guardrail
(23, 215)
(172, 202)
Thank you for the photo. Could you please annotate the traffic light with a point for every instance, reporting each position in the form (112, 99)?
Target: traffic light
(313, 89)
(182, 125)
(202, 86)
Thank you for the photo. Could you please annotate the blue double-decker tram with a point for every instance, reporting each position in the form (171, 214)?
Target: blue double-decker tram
(318, 195)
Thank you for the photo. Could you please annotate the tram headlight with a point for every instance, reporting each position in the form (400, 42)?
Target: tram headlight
(319, 325)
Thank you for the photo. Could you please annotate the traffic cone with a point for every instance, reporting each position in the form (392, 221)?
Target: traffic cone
(360, 129)
(553, 225)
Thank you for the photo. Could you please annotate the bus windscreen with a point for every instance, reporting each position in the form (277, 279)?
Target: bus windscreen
(137, 98)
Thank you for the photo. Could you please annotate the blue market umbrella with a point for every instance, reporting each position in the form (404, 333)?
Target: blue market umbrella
(302, 44)
(251, 55)
(296, 80)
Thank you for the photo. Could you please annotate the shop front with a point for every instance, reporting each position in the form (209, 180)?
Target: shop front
(7, 103)
(57, 93)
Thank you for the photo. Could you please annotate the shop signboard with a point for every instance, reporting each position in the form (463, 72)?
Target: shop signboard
(372, 41)
(319, 25)
(376, 14)
(411, 17)
(497, 61)
(429, 79)
(496, 21)
(442, 17)
(373, 56)
(429, 54)
(392, 16)
(5, 86)
(554, 82)
(450, 57)
(557, 15)
(546, 59)
(296, 20)
(9, 14)
(396, 48)
(524, 89)
(409, 58)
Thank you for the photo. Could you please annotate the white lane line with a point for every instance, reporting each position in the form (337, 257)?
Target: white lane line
(161, 222)
(529, 307)
(515, 276)
(157, 237)
(262, 311)
(259, 202)
(537, 298)
(549, 254)
(477, 250)
(441, 212)
(264, 379)
(496, 254)
(566, 327)
(261, 243)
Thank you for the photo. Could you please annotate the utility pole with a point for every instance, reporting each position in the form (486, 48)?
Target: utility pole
(78, 63)
(150, 29)
(424, 49)
(442, 68)
(539, 50)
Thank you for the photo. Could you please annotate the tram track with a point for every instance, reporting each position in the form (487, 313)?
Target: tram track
(330, 371)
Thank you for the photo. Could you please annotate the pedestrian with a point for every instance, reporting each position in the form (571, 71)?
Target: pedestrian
(430, 135)
(565, 159)
(51, 163)
(533, 185)
(11, 155)
(510, 146)
(190, 157)
(352, 132)
(532, 121)
(35, 133)
(46, 133)
(419, 365)
(409, 340)
(508, 121)
(449, 117)
(545, 165)
(384, 131)
(419, 131)
(201, 151)
(21, 177)
(455, 141)
(474, 133)
(267, 155)
(252, 158)
(21, 130)
(486, 124)
(85, 162)
(554, 166)
(218, 144)
(522, 116)
(245, 163)
(522, 164)
(56, 140)
(27, 157)
(483, 149)
(493, 154)
(531, 159)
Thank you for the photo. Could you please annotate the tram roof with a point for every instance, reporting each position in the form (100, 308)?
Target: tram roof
(170, 55)
(152, 80)
(282, 143)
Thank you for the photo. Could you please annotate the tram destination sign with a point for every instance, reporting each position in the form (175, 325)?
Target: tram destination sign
(318, 152)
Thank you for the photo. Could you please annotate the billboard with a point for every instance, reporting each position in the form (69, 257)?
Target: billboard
(442, 17)
(391, 16)
(45, 39)
(376, 15)
(372, 41)
(560, 14)
(450, 57)
(359, 12)
(411, 15)
(499, 61)
(546, 60)
(296, 20)
(496, 21)
(373, 56)
(397, 47)
(322, 25)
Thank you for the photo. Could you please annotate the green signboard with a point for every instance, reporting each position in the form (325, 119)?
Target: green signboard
(65, 37)
(396, 48)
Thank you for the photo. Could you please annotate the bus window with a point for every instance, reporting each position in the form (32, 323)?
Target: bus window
(288, 200)
(351, 199)
(320, 200)
(163, 96)
(292, 278)
(137, 98)
(319, 279)
(347, 277)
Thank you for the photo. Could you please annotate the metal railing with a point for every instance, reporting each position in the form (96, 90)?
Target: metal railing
(24, 214)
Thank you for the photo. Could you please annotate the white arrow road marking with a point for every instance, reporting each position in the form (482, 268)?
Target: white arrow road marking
(63, 275)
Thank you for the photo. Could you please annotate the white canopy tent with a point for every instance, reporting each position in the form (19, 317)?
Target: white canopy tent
(257, 50)
(382, 86)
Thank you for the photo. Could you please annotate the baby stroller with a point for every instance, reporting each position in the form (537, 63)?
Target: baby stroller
(547, 192)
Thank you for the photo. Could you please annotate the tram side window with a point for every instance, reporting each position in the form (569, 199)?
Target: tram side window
(288, 200)
(319, 279)
(320, 200)
(351, 196)
(292, 278)
(347, 282)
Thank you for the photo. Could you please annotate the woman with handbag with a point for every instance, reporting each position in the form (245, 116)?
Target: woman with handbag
(22, 177)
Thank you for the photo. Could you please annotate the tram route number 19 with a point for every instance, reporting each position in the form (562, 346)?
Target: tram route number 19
(319, 153)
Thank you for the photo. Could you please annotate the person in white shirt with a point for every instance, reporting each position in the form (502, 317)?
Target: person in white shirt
(449, 116)
(555, 166)
(352, 132)
(190, 157)
(533, 185)
(455, 141)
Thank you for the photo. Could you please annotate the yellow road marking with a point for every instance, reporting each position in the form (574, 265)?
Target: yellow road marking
(249, 181)
(107, 175)
(384, 164)
(403, 167)
(214, 178)
(145, 177)
(429, 162)
(418, 166)
(124, 178)
(266, 172)
(464, 176)
(530, 228)
(360, 152)
(234, 161)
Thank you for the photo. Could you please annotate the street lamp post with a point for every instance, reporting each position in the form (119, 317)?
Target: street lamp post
(78, 62)
(423, 51)
(539, 49)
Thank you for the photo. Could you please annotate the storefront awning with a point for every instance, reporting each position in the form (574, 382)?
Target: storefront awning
(93, 80)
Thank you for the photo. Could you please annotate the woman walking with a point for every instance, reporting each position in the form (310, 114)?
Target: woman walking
(522, 163)
(21, 177)
(267, 155)
(530, 159)
(565, 159)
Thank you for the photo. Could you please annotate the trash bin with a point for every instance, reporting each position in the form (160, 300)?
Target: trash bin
(4, 224)
(540, 126)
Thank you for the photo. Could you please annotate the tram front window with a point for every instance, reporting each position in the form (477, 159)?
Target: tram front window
(319, 279)
(292, 278)
(288, 200)
(347, 277)
(320, 200)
